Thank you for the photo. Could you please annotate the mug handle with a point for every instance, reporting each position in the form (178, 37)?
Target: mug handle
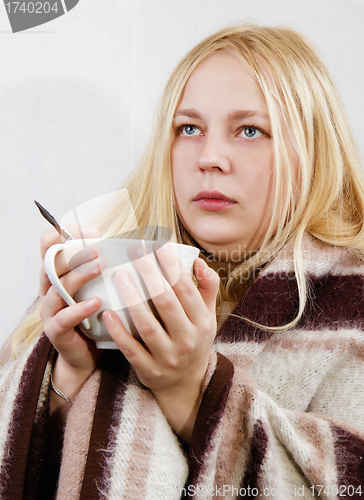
(54, 279)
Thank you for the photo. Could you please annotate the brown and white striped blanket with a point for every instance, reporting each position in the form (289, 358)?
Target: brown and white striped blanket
(282, 415)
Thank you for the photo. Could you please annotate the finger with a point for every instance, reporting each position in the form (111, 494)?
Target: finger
(52, 237)
(71, 258)
(158, 287)
(49, 238)
(208, 283)
(71, 282)
(69, 317)
(74, 280)
(148, 268)
(169, 261)
(44, 283)
(167, 304)
(82, 274)
(148, 327)
(66, 261)
(133, 350)
(183, 285)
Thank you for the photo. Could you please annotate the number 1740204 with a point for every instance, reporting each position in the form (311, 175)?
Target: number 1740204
(32, 7)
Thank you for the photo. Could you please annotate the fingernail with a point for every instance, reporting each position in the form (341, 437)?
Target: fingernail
(90, 251)
(92, 267)
(137, 251)
(161, 246)
(122, 279)
(108, 318)
(102, 264)
(92, 303)
(91, 230)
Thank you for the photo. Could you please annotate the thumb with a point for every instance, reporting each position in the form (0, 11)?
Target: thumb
(208, 283)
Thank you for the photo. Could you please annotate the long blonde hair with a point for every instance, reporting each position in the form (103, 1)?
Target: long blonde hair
(327, 197)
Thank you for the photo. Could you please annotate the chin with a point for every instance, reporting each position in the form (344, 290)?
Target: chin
(214, 242)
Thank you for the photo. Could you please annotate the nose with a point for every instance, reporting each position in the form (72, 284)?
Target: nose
(214, 154)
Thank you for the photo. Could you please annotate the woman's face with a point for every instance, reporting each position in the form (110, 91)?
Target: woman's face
(223, 159)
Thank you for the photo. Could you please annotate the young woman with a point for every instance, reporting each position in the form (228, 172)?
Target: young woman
(252, 384)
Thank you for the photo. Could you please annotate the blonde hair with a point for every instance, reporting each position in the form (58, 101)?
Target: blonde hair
(326, 199)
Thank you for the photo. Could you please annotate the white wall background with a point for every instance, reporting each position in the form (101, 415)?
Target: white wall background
(77, 95)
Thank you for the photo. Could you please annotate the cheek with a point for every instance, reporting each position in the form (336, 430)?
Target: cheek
(256, 173)
(182, 162)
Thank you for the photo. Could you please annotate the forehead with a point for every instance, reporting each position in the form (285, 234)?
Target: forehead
(224, 81)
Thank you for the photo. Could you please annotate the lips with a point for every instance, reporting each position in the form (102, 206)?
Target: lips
(213, 201)
(213, 195)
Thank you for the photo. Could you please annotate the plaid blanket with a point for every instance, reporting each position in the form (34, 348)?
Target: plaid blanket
(282, 414)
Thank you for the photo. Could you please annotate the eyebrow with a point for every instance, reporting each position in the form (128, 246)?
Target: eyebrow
(233, 116)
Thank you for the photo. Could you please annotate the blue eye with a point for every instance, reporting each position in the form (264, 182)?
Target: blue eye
(251, 132)
(190, 130)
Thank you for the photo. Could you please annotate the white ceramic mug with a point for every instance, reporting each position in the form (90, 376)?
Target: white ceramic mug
(115, 253)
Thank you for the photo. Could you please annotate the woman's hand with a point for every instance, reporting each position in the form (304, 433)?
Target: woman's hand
(174, 358)
(77, 355)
